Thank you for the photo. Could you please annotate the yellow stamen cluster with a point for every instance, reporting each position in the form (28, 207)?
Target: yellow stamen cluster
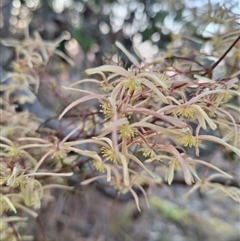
(175, 164)
(106, 87)
(18, 67)
(107, 110)
(59, 154)
(14, 152)
(132, 84)
(165, 79)
(148, 152)
(109, 154)
(5, 172)
(20, 79)
(6, 204)
(187, 112)
(127, 131)
(186, 139)
(99, 166)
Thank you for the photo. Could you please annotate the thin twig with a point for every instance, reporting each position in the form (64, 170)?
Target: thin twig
(209, 71)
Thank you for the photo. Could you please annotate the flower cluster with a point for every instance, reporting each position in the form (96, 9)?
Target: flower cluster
(149, 118)
(31, 57)
(23, 149)
(149, 122)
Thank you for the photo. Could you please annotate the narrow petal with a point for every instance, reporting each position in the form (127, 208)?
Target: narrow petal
(170, 119)
(79, 101)
(25, 209)
(92, 179)
(202, 79)
(186, 171)
(171, 172)
(128, 54)
(109, 176)
(151, 86)
(125, 169)
(108, 68)
(144, 193)
(140, 164)
(154, 78)
(42, 160)
(219, 141)
(211, 166)
(9, 203)
(135, 196)
(206, 117)
(201, 121)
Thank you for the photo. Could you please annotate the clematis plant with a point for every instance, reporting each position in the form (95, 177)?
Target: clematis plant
(22, 148)
(141, 133)
(150, 124)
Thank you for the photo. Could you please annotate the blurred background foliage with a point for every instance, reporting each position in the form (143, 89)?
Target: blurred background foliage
(96, 25)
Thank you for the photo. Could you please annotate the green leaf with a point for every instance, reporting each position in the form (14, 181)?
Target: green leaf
(85, 40)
